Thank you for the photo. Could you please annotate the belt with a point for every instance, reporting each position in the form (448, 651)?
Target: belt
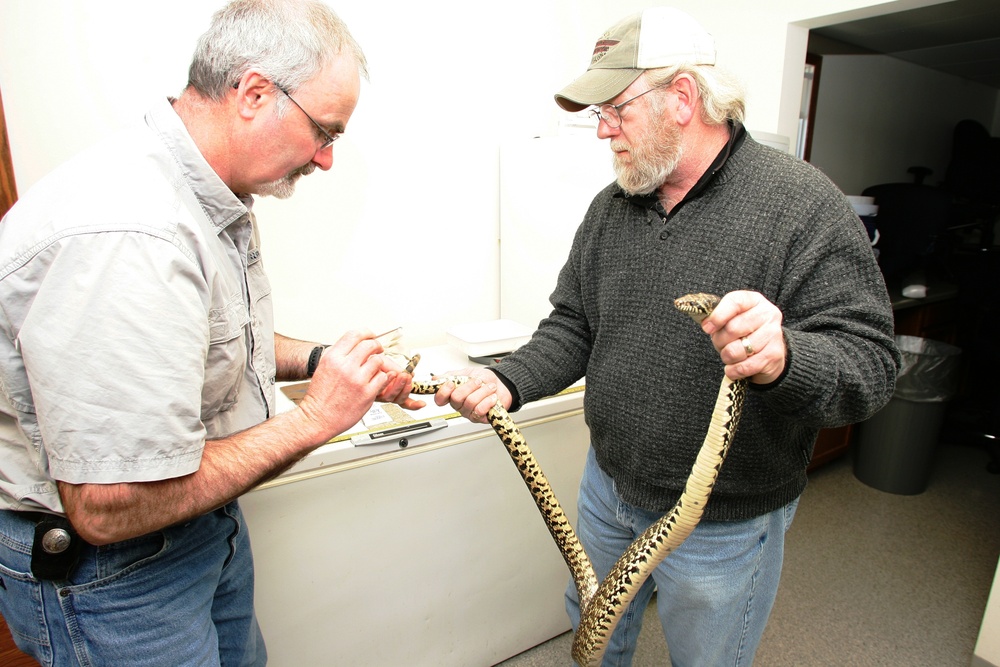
(35, 517)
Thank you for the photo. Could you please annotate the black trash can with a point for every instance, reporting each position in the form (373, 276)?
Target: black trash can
(895, 447)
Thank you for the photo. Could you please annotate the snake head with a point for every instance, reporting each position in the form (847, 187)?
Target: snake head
(698, 305)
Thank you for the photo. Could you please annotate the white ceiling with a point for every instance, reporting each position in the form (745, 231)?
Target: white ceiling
(961, 38)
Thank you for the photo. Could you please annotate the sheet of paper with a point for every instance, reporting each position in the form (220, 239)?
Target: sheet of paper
(376, 416)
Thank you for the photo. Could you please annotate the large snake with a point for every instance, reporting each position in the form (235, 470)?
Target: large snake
(602, 604)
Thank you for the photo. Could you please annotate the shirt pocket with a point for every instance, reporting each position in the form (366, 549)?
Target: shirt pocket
(227, 357)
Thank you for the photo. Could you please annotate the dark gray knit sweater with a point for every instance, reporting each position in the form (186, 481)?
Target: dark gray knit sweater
(765, 222)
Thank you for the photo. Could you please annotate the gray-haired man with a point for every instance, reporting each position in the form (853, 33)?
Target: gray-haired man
(699, 206)
(139, 357)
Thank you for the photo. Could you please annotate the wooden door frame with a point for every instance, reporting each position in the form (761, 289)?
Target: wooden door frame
(816, 61)
(8, 188)
(8, 195)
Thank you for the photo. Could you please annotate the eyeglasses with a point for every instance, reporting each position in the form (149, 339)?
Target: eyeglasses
(611, 113)
(330, 138)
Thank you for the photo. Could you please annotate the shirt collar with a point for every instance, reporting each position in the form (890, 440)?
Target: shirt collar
(737, 135)
(216, 199)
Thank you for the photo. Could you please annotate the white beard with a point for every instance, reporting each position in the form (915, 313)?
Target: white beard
(283, 188)
(655, 156)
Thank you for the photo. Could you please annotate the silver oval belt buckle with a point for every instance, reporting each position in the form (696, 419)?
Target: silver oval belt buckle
(56, 549)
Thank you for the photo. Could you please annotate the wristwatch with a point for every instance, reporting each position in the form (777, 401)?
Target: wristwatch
(314, 356)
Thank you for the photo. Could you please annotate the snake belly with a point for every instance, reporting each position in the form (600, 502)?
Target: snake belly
(603, 604)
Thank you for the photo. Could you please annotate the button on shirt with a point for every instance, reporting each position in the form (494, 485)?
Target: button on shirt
(136, 317)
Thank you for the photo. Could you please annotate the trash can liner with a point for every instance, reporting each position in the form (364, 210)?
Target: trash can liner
(928, 372)
(895, 446)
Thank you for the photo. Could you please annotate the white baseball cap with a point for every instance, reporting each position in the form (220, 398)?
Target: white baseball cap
(655, 37)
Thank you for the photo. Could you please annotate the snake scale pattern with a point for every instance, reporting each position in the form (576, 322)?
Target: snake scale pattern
(603, 603)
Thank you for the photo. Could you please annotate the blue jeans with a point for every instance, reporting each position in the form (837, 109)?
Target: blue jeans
(180, 596)
(714, 593)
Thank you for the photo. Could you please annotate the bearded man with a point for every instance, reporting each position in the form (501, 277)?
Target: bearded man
(699, 206)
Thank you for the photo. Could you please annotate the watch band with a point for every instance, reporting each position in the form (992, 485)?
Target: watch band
(314, 356)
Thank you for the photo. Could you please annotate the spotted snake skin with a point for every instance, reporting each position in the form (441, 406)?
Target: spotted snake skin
(602, 604)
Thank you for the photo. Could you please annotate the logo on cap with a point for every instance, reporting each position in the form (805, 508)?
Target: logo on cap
(602, 47)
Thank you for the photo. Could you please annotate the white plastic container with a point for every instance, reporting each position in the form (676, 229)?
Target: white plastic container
(488, 339)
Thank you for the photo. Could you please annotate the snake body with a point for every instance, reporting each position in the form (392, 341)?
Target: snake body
(602, 604)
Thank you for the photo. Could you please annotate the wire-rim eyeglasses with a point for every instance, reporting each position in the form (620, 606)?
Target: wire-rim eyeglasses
(330, 138)
(610, 113)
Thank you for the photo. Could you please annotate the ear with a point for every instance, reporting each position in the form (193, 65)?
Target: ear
(253, 92)
(686, 91)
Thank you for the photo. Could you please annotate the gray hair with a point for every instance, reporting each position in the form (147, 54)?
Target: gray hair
(722, 96)
(288, 41)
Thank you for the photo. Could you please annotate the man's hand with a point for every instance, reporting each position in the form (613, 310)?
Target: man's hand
(473, 399)
(348, 379)
(398, 386)
(746, 330)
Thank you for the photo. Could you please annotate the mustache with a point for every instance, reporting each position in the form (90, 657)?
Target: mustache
(304, 170)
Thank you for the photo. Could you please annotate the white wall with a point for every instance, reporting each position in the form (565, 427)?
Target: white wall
(877, 116)
(403, 230)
